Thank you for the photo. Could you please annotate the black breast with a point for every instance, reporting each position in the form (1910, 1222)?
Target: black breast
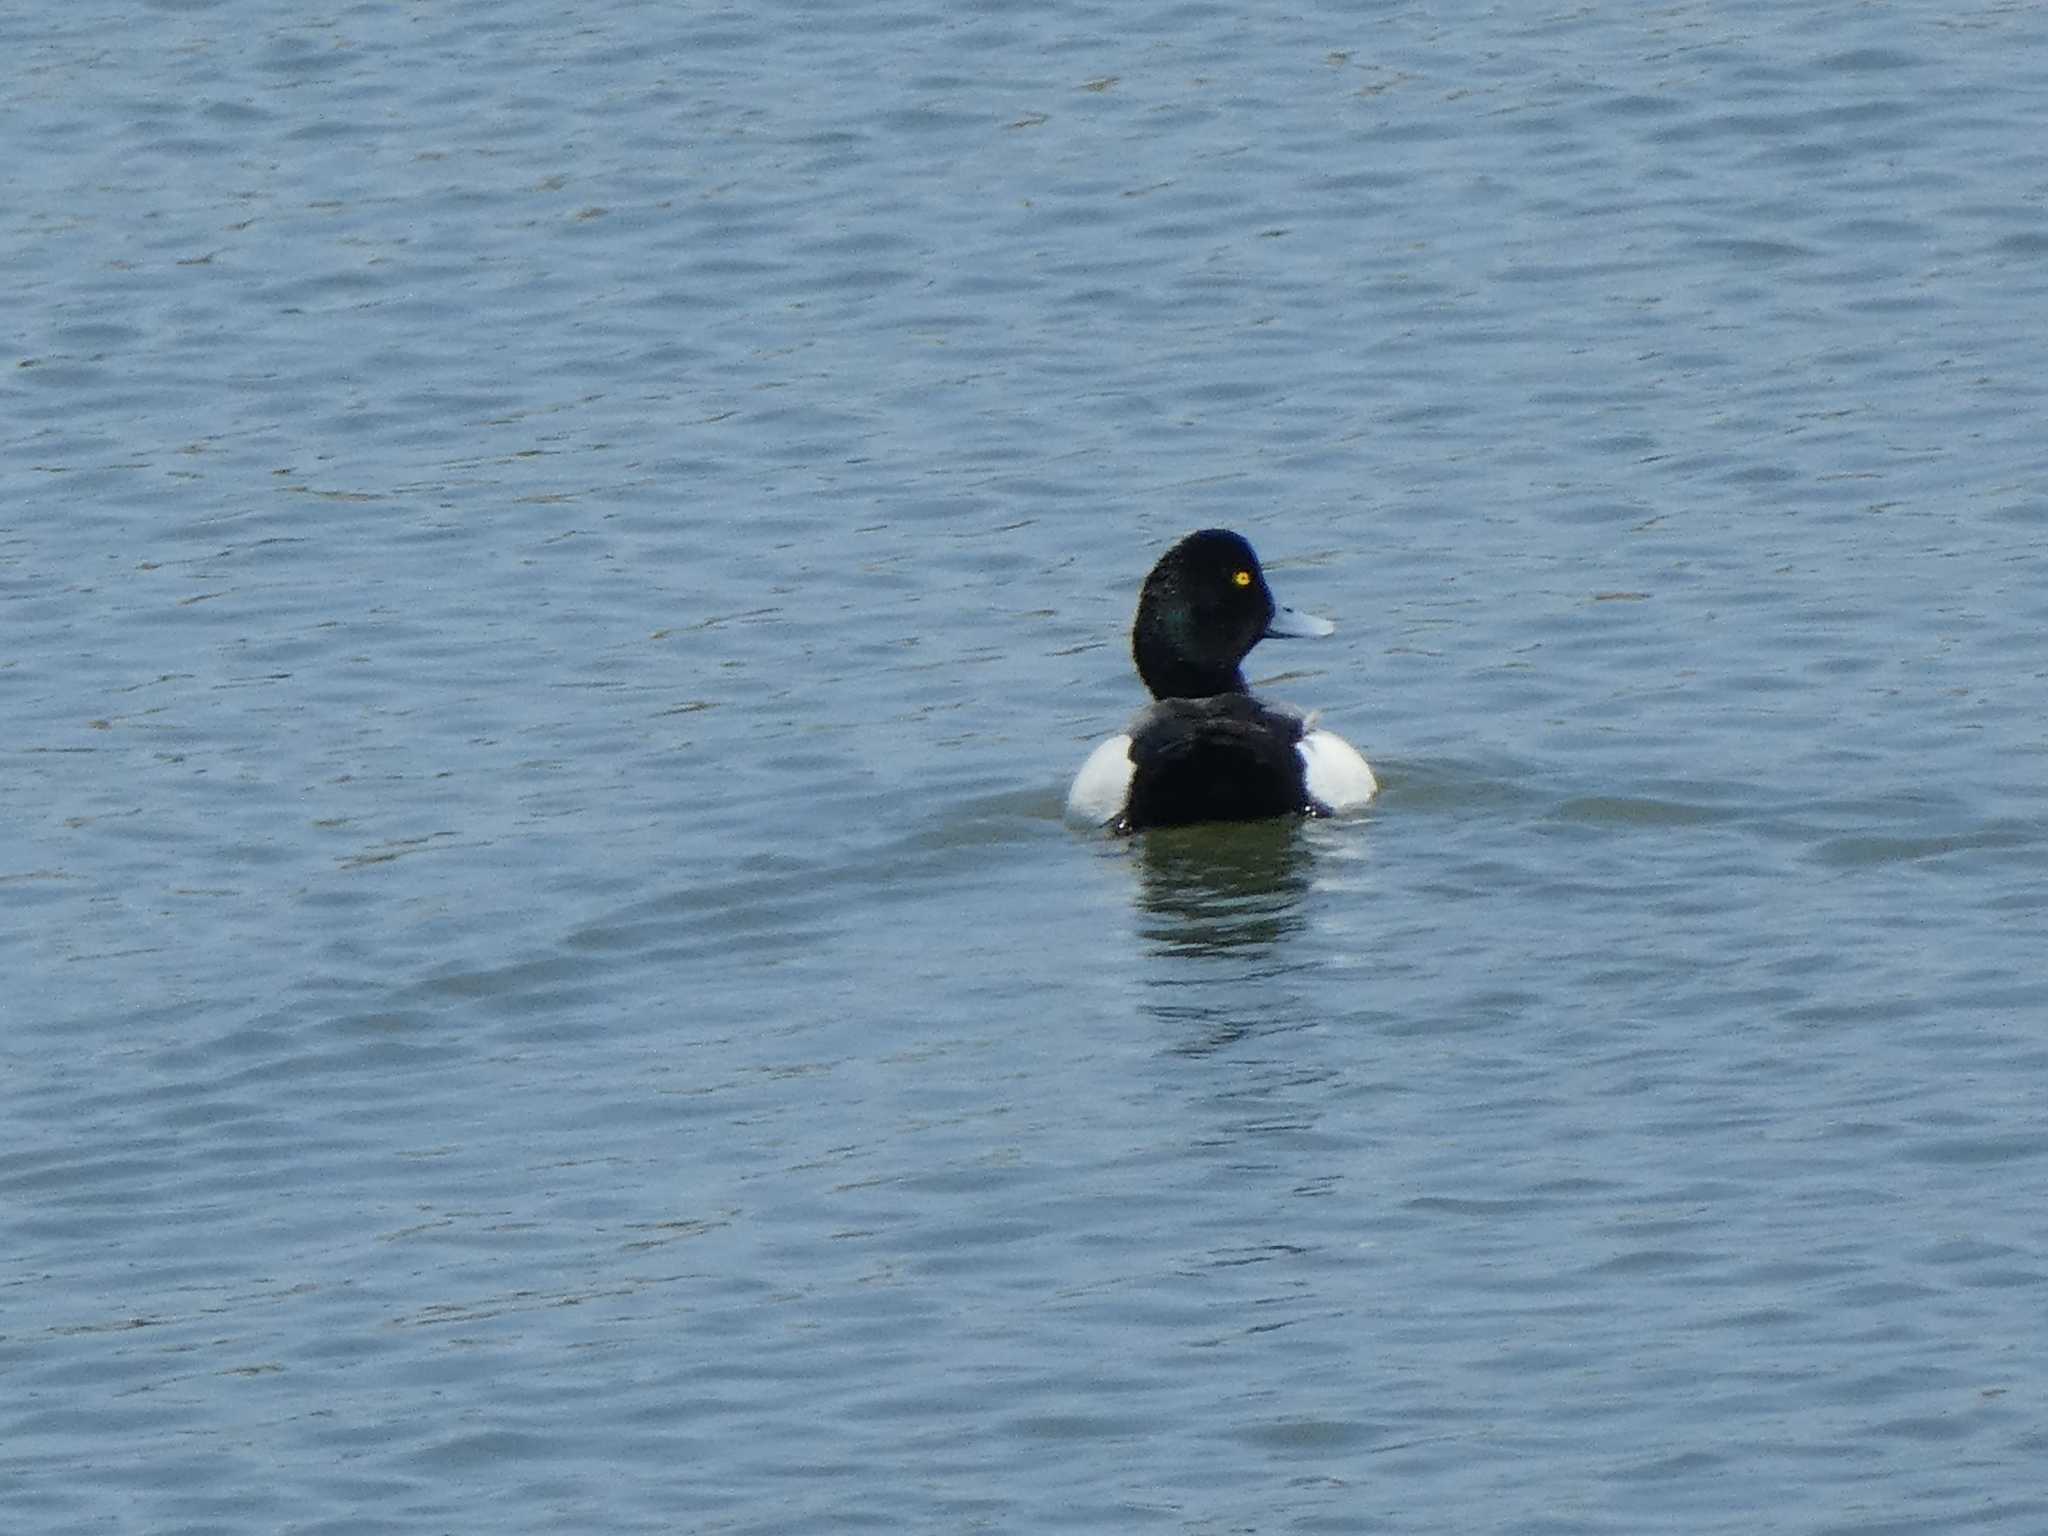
(1227, 758)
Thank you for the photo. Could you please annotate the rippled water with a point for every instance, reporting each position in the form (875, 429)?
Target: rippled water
(553, 570)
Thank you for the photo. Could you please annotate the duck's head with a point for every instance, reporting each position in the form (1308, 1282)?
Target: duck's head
(1203, 608)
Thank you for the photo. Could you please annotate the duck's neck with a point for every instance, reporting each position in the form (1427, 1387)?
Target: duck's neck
(1170, 675)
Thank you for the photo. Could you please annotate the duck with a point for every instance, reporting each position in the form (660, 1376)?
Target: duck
(1206, 749)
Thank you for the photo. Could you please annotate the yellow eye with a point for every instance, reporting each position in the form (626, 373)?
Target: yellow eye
(1243, 578)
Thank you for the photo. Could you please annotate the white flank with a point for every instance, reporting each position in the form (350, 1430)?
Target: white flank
(1337, 774)
(1103, 784)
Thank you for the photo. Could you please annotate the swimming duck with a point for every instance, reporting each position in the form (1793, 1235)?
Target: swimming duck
(1206, 750)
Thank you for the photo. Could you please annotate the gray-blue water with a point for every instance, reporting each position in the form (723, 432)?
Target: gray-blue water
(554, 566)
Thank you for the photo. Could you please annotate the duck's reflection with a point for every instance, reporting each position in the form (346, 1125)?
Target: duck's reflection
(1223, 887)
(1222, 905)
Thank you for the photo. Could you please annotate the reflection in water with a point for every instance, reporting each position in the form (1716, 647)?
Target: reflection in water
(1221, 905)
(1212, 889)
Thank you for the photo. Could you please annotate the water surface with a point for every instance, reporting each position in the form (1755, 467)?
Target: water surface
(554, 571)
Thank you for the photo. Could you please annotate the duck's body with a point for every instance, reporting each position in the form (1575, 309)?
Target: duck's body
(1207, 750)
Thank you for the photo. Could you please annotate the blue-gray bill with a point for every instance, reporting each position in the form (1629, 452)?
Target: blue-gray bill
(1291, 624)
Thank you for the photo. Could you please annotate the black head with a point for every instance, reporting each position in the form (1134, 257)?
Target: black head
(1203, 608)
